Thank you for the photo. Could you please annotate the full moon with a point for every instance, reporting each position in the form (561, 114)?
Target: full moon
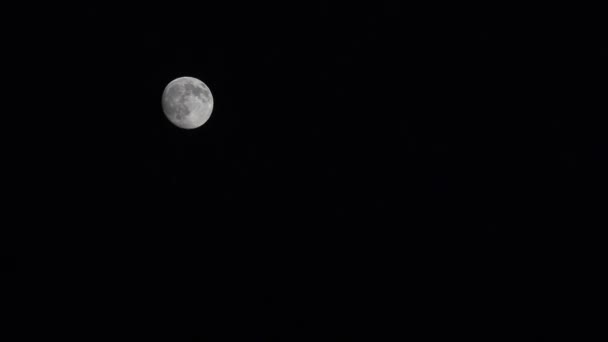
(187, 102)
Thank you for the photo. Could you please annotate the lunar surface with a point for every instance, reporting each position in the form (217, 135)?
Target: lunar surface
(187, 102)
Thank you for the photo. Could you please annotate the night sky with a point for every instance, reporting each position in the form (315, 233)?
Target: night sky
(363, 163)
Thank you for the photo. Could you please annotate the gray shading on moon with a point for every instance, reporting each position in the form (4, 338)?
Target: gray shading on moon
(187, 102)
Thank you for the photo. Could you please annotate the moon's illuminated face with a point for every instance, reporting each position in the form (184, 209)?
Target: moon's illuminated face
(187, 102)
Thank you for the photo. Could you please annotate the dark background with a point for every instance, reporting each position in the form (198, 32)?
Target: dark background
(364, 166)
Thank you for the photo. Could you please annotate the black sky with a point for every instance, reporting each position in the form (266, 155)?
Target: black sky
(358, 158)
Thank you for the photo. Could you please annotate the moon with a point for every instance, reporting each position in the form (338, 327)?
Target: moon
(187, 102)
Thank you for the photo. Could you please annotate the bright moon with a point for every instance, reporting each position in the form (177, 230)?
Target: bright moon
(187, 102)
